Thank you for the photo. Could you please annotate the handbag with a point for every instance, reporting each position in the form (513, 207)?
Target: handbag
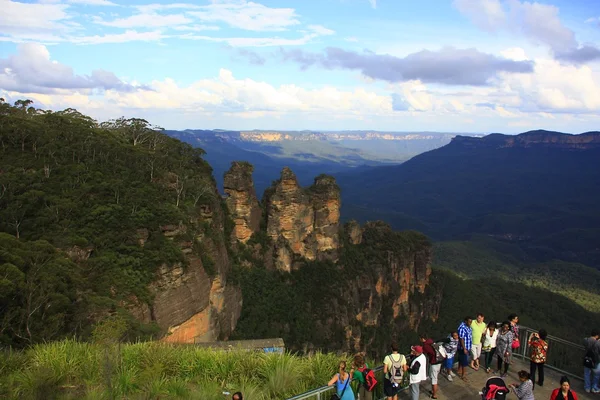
(515, 343)
(335, 395)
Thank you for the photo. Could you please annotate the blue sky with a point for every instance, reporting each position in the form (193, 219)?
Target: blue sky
(454, 65)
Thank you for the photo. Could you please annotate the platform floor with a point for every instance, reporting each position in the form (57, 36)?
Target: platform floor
(459, 389)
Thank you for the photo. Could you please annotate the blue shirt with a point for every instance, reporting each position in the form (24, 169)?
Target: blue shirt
(465, 333)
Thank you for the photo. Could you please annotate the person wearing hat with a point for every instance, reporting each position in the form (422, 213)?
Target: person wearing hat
(417, 370)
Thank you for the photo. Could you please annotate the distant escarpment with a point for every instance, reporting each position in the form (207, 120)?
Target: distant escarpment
(539, 138)
(318, 284)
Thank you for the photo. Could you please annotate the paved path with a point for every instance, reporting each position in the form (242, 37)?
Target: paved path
(458, 389)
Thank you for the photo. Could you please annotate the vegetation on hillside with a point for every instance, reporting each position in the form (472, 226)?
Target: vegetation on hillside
(537, 308)
(94, 191)
(485, 257)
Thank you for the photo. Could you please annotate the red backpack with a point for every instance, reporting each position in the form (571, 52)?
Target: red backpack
(369, 375)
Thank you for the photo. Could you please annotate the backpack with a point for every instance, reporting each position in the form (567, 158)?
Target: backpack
(440, 353)
(589, 360)
(396, 371)
(369, 375)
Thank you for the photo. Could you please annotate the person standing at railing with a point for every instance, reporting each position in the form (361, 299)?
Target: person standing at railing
(489, 345)
(564, 392)
(417, 370)
(592, 369)
(504, 348)
(465, 341)
(360, 365)
(341, 380)
(538, 348)
(477, 329)
(394, 367)
(514, 327)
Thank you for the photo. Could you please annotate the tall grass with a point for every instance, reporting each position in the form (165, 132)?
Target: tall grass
(73, 370)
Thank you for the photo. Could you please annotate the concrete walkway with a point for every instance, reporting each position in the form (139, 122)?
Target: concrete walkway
(459, 389)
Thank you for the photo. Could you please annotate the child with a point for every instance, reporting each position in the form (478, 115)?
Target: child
(524, 389)
(450, 345)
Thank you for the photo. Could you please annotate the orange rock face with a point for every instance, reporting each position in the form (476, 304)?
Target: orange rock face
(241, 201)
(301, 221)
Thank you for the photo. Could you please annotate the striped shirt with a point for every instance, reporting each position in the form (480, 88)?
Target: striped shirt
(465, 333)
(525, 390)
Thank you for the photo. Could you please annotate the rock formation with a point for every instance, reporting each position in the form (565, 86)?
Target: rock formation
(241, 201)
(303, 222)
(192, 300)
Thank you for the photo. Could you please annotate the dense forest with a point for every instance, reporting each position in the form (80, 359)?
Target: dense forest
(74, 189)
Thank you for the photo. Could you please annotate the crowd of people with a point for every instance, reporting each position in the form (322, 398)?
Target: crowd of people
(474, 342)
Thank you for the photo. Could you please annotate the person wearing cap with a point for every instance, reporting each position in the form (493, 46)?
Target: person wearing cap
(417, 370)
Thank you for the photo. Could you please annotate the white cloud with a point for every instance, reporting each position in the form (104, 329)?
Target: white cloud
(25, 20)
(196, 28)
(321, 30)
(127, 36)
(146, 20)
(555, 88)
(247, 15)
(93, 2)
(540, 23)
(253, 41)
(32, 70)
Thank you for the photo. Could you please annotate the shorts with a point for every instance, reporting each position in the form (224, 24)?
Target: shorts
(476, 351)
(434, 371)
(388, 389)
(463, 359)
(449, 363)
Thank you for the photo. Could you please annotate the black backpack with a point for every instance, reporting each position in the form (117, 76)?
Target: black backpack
(589, 360)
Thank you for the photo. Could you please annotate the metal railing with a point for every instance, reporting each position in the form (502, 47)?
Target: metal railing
(562, 356)
(324, 392)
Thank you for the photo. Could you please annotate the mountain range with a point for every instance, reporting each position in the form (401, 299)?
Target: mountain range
(308, 153)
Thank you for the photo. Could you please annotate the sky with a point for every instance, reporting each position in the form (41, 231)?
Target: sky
(481, 66)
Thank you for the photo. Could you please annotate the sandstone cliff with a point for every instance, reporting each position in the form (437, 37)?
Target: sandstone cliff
(539, 138)
(303, 222)
(192, 299)
(241, 201)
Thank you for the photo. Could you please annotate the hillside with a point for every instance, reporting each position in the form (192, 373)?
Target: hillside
(539, 190)
(103, 219)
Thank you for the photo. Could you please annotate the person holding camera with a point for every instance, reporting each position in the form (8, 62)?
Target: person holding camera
(538, 348)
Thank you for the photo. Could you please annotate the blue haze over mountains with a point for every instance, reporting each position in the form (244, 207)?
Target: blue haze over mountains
(308, 153)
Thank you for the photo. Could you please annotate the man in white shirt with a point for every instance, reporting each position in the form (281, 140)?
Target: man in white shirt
(417, 370)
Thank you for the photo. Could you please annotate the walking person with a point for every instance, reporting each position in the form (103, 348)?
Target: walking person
(591, 371)
(465, 340)
(360, 365)
(504, 348)
(489, 345)
(341, 380)
(451, 347)
(477, 329)
(564, 392)
(394, 366)
(523, 389)
(538, 348)
(417, 370)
